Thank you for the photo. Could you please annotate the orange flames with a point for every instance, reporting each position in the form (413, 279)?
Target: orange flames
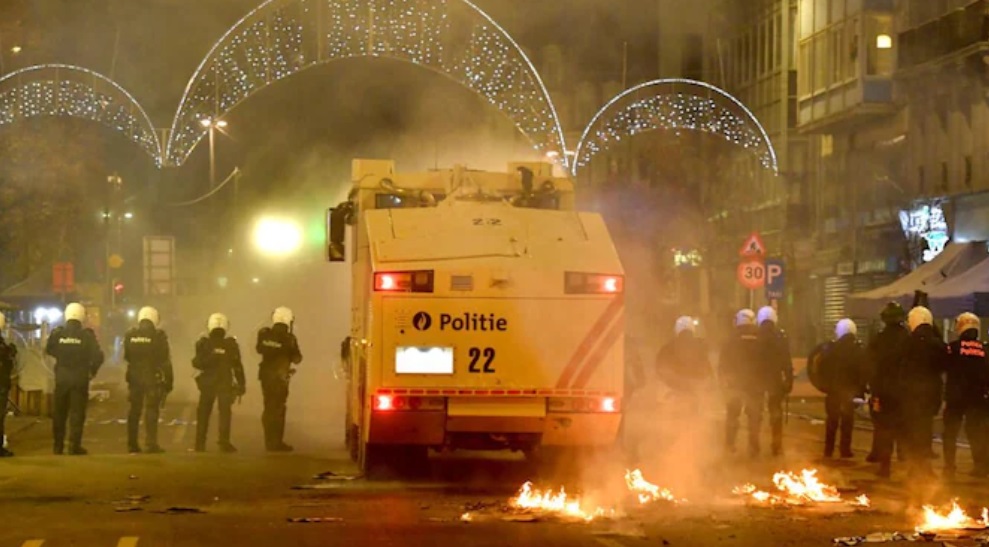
(555, 503)
(647, 491)
(797, 489)
(954, 519)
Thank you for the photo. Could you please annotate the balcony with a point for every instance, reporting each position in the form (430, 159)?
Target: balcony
(957, 35)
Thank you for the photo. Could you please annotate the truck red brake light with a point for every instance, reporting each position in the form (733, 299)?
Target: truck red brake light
(587, 283)
(418, 281)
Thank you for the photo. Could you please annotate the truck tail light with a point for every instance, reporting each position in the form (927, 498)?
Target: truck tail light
(418, 281)
(584, 404)
(587, 283)
(384, 403)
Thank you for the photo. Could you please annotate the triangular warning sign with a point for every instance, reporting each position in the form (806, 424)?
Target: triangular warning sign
(753, 246)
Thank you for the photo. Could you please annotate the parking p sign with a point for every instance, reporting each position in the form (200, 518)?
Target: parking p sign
(775, 278)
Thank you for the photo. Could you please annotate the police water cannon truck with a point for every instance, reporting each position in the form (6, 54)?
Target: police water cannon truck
(487, 314)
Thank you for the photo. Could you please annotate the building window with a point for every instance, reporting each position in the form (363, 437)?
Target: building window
(879, 59)
(804, 73)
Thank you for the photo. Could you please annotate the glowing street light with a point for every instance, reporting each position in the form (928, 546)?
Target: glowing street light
(211, 124)
(277, 237)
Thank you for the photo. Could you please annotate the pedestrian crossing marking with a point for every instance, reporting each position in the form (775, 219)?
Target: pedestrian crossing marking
(130, 541)
(33, 543)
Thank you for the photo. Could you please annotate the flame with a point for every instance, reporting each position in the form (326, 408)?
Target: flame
(558, 503)
(647, 491)
(954, 519)
(797, 489)
(806, 487)
(467, 517)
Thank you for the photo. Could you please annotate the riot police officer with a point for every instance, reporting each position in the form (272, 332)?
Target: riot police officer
(220, 379)
(965, 395)
(886, 351)
(738, 372)
(279, 350)
(149, 377)
(683, 363)
(924, 361)
(778, 368)
(78, 358)
(842, 371)
(8, 357)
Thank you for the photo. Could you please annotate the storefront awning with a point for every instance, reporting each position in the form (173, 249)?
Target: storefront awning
(969, 291)
(956, 259)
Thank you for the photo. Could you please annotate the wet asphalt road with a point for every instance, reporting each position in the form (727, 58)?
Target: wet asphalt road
(248, 498)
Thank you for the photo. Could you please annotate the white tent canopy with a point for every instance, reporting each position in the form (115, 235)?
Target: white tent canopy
(969, 291)
(955, 260)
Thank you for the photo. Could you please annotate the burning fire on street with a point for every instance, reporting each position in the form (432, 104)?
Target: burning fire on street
(561, 505)
(797, 489)
(954, 519)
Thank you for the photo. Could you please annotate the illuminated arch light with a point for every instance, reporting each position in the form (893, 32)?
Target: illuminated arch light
(282, 37)
(72, 91)
(675, 104)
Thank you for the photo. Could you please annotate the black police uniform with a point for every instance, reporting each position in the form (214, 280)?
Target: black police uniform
(924, 361)
(886, 353)
(279, 350)
(78, 358)
(740, 376)
(220, 381)
(684, 366)
(843, 374)
(149, 376)
(8, 357)
(777, 367)
(965, 399)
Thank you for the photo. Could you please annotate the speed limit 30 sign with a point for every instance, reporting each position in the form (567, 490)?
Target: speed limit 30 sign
(752, 274)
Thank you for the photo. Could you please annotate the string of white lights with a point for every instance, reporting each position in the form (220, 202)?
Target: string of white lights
(66, 90)
(282, 37)
(674, 104)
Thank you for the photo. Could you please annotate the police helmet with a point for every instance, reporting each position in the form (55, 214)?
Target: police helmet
(893, 314)
(218, 321)
(148, 313)
(767, 313)
(284, 316)
(967, 321)
(845, 327)
(75, 312)
(684, 323)
(744, 317)
(919, 316)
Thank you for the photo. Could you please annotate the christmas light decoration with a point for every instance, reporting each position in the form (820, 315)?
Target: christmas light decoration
(65, 90)
(676, 104)
(282, 37)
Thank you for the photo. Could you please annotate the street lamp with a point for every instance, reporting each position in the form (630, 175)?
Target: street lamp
(212, 125)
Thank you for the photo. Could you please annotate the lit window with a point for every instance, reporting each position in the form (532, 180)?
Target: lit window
(884, 41)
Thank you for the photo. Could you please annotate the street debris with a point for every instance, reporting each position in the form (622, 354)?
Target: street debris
(177, 421)
(314, 520)
(182, 511)
(127, 508)
(876, 537)
(796, 490)
(331, 476)
(323, 486)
